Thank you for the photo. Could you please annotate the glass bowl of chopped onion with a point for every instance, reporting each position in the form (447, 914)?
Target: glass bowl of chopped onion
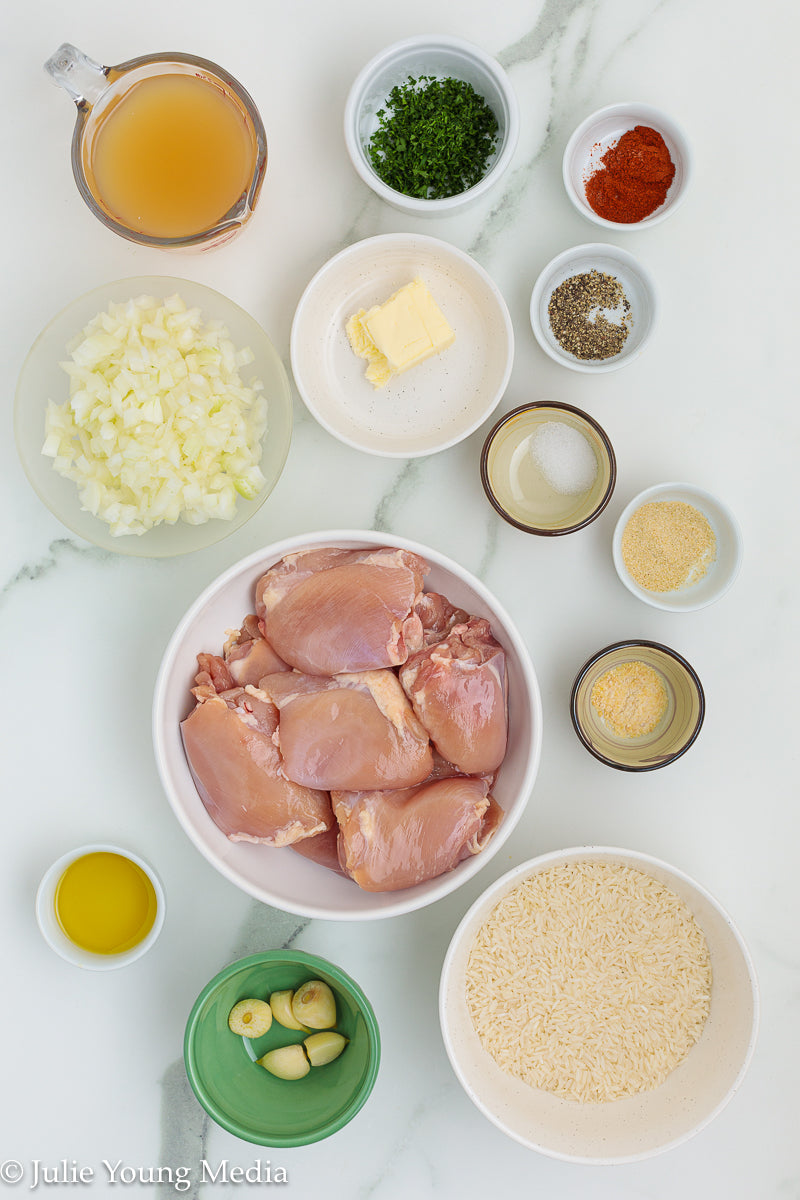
(401, 114)
(153, 416)
(598, 1005)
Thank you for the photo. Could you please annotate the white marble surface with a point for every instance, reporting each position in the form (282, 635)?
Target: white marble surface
(92, 1063)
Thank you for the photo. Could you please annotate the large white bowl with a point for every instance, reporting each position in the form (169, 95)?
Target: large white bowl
(431, 406)
(638, 1126)
(279, 876)
(43, 378)
(444, 57)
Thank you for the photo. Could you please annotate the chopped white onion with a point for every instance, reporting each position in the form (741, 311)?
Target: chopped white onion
(159, 425)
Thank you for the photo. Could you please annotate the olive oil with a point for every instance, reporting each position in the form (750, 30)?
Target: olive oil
(171, 156)
(105, 903)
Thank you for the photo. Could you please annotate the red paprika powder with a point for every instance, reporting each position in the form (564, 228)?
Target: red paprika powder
(633, 178)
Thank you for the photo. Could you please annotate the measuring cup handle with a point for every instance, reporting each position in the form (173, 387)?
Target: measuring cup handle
(81, 76)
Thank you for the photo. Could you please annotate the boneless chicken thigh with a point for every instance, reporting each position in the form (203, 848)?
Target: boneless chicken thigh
(351, 731)
(354, 718)
(332, 610)
(438, 616)
(249, 655)
(246, 657)
(458, 690)
(390, 840)
(235, 763)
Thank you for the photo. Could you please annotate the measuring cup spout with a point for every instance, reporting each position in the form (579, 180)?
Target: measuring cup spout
(81, 76)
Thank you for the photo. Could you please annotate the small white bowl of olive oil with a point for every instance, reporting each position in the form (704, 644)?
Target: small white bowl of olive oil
(100, 907)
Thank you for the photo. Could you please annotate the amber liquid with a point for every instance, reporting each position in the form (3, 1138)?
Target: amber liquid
(171, 157)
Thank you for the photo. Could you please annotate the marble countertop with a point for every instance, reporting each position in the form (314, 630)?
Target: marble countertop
(92, 1062)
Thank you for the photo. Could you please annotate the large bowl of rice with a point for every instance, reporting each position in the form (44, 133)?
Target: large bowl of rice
(598, 1005)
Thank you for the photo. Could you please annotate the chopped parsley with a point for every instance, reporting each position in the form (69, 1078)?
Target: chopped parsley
(435, 138)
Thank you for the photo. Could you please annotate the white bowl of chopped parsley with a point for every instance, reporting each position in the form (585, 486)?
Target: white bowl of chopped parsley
(431, 124)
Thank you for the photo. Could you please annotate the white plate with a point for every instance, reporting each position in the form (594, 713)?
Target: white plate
(433, 405)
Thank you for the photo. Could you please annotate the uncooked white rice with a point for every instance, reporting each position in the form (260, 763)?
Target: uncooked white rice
(590, 980)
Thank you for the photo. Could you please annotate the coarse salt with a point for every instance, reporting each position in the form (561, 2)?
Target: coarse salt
(564, 457)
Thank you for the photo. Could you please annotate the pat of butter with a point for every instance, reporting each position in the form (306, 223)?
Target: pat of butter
(397, 335)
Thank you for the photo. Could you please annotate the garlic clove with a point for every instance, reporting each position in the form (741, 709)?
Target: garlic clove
(314, 1005)
(281, 1006)
(324, 1047)
(250, 1018)
(287, 1062)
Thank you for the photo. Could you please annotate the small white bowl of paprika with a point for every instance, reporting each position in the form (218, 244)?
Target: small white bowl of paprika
(627, 166)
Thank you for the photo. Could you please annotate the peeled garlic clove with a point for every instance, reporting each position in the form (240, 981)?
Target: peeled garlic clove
(287, 1062)
(323, 1048)
(250, 1018)
(313, 1004)
(281, 1006)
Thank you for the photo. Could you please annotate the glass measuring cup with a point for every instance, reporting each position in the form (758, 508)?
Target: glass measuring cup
(188, 113)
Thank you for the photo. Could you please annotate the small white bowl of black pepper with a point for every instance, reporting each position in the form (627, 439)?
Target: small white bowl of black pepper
(594, 308)
(401, 114)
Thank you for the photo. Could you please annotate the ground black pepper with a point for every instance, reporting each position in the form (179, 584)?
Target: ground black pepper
(577, 311)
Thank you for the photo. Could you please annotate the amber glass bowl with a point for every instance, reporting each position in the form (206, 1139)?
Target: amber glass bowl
(520, 495)
(675, 732)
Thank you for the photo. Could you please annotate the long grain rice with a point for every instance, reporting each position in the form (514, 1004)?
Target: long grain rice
(591, 980)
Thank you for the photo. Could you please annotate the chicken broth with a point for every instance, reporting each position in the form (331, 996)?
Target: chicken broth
(171, 157)
(105, 903)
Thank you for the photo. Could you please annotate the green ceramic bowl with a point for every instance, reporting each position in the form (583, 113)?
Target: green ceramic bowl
(244, 1098)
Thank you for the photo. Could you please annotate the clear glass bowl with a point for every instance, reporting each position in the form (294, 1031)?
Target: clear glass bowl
(42, 378)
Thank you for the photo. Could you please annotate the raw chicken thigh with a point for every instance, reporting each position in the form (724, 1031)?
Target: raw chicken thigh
(438, 617)
(333, 610)
(322, 848)
(246, 657)
(458, 690)
(352, 731)
(353, 718)
(393, 840)
(235, 763)
(249, 654)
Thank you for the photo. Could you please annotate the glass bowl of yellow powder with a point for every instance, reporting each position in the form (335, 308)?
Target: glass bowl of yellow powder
(677, 547)
(637, 705)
